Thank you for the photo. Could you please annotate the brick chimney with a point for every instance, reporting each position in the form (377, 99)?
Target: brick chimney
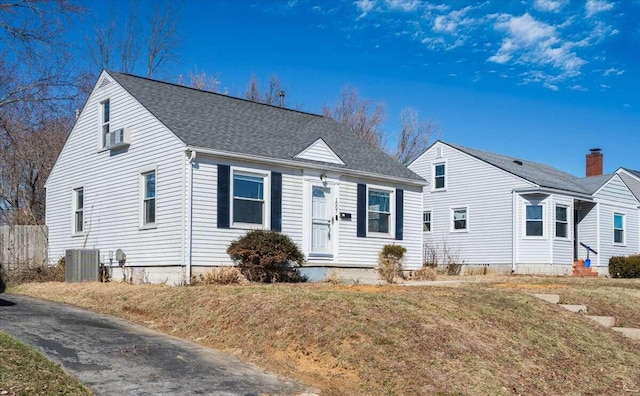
(594, 162)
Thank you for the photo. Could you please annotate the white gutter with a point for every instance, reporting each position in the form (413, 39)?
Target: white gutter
(308, 165)
(189, 213)
(514, 233)
(547, 190)
(183, 212)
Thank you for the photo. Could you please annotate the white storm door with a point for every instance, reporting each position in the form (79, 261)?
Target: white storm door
(321, 217)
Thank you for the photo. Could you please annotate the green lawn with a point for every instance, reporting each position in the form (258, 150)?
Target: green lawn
(24, 371)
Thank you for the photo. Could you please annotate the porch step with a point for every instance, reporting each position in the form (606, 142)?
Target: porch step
(629, 332)
(552, 298)
(580, 270)
(575, 308)
(606, 321)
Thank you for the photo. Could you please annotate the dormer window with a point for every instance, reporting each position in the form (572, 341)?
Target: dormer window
(106, 116)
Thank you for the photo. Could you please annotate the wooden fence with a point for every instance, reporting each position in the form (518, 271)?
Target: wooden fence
(23, 246)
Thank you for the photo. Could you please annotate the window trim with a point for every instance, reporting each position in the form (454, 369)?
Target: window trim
(266, 198)
(74, 211)
(141, 198)
(623, 229)
(430, 212)
(392, 212)
(104, 123)
(433, 175)
(452, 209)
(543, 220)
(556, 221)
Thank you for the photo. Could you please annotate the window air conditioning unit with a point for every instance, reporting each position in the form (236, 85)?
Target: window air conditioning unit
(118, 138)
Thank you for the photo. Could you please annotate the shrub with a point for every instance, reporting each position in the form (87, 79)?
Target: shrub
(625, 267)
(219, 276)
(267, 256)
(424, 273)
(390, 261)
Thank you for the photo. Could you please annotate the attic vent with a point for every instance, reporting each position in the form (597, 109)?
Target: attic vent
(517, 162)
(438, 152)
(104, 83)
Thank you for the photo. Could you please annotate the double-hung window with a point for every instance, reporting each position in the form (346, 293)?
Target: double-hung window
(426, 221)
(534, 220)
(439, 176)
(248, 199)
(106, 116)
(618, 228)
(149, 198)
(379, 212)
(459, 216)
(562, 229)
(78, 210)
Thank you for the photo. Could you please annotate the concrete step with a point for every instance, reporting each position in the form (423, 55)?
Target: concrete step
(606, 321)
(575, 308)
(629, 332)
(552, 298)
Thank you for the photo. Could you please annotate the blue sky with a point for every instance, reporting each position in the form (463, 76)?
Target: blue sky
(543, 80)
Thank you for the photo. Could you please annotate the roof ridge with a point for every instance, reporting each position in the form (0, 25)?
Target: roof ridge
(215, 93)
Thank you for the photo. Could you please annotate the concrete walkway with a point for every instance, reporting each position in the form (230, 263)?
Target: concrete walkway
(115, 357)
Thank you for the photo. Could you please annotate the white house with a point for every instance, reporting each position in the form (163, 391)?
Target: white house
(516, 215)
(171, 175)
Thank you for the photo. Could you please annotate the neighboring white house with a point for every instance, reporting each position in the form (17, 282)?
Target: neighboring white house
(516, 215)
(171, 175)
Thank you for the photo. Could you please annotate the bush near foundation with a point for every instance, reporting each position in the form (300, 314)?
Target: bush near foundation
(390, 262)
(267, 256)
(625, 267)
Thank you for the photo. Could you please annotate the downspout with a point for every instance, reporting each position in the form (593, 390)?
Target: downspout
(514, 233)
(598, 233)
(189, 213)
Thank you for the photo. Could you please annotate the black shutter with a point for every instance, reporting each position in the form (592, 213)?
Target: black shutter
(276, 201)
(399, 213)
(362, 210)
(224, 183)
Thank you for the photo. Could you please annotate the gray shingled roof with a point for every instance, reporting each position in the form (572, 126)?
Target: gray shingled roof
(537, 173)
(220, 122)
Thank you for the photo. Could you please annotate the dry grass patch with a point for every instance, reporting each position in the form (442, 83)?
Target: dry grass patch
(471, 339)
(24, 371)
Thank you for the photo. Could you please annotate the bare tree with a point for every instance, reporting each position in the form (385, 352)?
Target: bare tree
(415, 136)
(359, 115)
(129, 46)
(200, 80)
(270, 95)
(163, 38)
(28, 150)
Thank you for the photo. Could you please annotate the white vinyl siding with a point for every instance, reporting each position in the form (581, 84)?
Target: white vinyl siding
(588, 230)
(486, 190)
(111, 185)
(632, 182)
(562, 246)
(320, 151)
(535, 249)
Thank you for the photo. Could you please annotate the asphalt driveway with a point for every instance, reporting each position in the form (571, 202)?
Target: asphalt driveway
(113, 356)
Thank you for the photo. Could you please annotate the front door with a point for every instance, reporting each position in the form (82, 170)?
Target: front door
(321, 220)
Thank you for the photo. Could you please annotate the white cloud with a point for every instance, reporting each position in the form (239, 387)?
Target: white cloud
(403, 5)
(529, 41)
(548, 5)
(578, 88)
(604, 86)
(449, 23)
(436, 7)
(593, 7)
(552, 87)
(613, 70)
(365, 6)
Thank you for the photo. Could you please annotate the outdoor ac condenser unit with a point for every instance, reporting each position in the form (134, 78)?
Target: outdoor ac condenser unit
(82, 265)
